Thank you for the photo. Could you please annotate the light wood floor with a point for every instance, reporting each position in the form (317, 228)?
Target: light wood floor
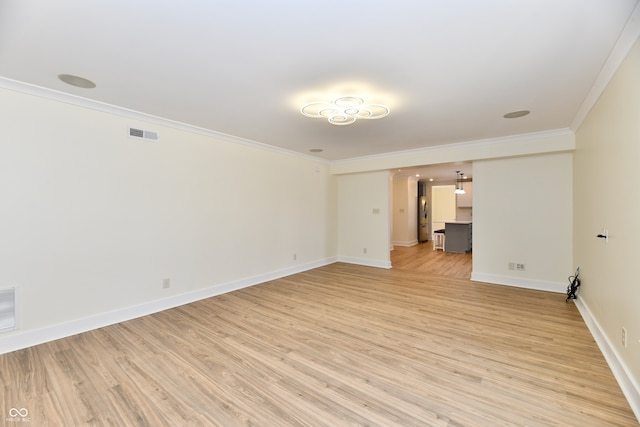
(341, 345)
(423, 259)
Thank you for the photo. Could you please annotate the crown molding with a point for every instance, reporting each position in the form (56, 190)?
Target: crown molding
(457, 146)
(55, 95)
(553, 141)
(625, 42)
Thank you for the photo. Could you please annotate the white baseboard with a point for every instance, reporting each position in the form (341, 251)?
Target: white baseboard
(406, 244)
(17, 340)
(365, 262)
(629, 386)
(627, 383)
(517, 282)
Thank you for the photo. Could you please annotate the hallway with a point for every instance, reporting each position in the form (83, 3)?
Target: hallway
(422, 258)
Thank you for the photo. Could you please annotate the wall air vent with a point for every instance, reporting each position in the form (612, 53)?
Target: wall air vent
(7, 309)
(143, 134)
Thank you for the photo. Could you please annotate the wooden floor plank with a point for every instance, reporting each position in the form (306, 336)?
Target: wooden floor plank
(340, 345)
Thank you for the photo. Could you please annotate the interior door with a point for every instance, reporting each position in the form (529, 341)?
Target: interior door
(443, 206)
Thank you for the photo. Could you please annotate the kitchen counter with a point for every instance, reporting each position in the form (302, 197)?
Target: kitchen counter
(457, 236)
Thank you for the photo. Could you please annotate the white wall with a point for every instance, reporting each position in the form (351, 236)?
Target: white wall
(404, 211)
(606, 195)
(522, 213)
(92, 221)
(364, 218)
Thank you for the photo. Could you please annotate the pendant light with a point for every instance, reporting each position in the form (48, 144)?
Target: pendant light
(459, 184)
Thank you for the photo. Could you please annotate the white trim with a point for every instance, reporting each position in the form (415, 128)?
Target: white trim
(91, 104)
(19, 340)
(629, 386)
(621, 49)
(365, 262)
(405, 244)
(560, 140)
(54, 95)
(459, 145)
(13, 292)
(539, 285)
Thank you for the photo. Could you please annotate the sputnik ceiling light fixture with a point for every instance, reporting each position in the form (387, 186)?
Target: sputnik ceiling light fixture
(345, 110)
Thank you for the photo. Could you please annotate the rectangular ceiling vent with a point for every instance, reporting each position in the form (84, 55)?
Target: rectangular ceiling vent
(143, 134)
(7, 309)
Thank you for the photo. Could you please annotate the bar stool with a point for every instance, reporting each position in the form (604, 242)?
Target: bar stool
(438, 239)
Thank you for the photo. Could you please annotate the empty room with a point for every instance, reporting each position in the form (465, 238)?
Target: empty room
(224, 214)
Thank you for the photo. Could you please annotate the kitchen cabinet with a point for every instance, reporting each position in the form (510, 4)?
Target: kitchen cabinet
(465, 200)
(458, 236)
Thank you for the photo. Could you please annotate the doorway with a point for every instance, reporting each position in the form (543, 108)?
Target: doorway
(415, 216)
(423, 259)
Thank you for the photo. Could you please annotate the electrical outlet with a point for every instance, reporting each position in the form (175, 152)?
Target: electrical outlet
(364, 250)
(624, 337)
(166, 283)
(517, 266)
(295, 257)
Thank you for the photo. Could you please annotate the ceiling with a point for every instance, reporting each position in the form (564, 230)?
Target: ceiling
(447, 70)
(444, 173)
